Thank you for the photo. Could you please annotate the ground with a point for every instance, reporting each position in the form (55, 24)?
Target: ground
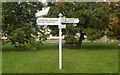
(92, 57)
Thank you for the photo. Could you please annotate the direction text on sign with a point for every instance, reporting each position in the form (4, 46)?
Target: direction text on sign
(48, 21)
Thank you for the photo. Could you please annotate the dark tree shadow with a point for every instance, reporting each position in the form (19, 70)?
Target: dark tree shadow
(55, 46)
(94, 46)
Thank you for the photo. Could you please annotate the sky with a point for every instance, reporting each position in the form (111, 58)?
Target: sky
(43, 1)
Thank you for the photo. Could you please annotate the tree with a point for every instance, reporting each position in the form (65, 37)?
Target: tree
(19, 22)
(114, 23)
(91, 15)
(93, 34)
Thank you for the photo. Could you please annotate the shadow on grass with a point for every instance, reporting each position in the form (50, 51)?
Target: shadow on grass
(54, 46)
(93, 46)
(45, 46)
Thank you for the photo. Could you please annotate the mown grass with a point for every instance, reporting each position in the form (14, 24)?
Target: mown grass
(90, 58)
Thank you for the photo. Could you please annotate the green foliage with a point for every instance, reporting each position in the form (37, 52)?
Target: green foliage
(114, 24)
(70, 33)
(111, 35)
(19, 22)
(90, 14)
(93, 34)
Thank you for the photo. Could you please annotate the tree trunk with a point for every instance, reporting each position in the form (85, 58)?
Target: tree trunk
(81, 38)
(92, 40)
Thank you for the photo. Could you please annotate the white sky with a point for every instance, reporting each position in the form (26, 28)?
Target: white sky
(43, 1)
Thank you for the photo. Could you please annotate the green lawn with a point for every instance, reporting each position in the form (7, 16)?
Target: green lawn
(90, 58)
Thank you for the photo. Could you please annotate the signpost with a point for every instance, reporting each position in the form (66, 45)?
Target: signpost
(62, 26)
(44, 11)
(57, 21)
(70, 20)
(60, 42)
(47, 21)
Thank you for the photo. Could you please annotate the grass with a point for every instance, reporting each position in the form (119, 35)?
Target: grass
(90, 58)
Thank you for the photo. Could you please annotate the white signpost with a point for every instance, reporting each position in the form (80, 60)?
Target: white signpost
(44, 11)
(62, 26)
(70, 20)
(57, 21)
(47, 21)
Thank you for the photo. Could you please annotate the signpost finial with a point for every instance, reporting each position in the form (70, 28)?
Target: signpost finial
(60, 15)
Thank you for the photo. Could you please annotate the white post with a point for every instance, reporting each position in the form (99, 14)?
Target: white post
(60, 42)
